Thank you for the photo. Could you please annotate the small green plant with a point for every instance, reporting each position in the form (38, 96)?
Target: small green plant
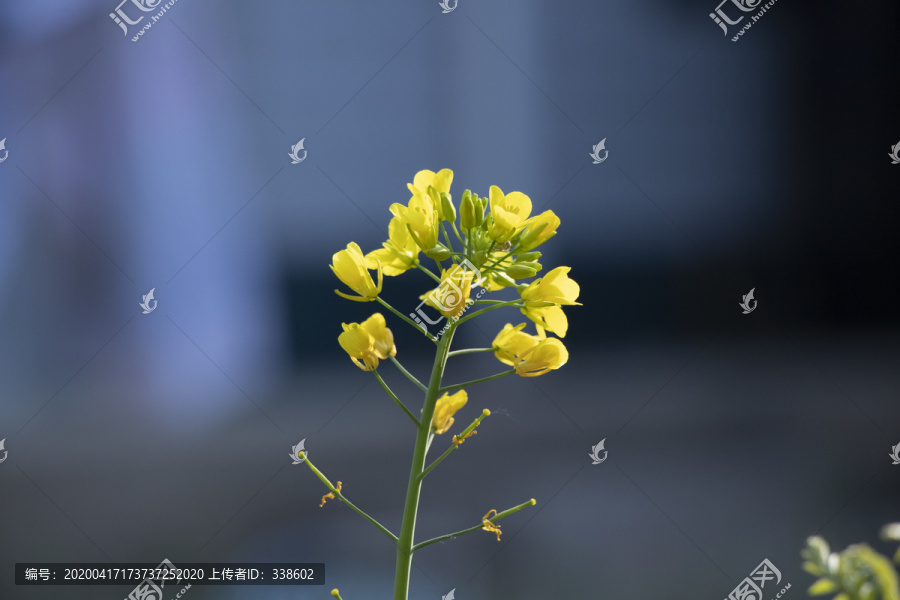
(857, 573)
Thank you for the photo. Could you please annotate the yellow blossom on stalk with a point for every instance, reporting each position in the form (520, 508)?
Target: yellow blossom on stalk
(350, 267)
(538, 230)
(439, 181)
(421, 217)
(529, 355)
(367, 342)
(444, 410)
(508, 213)
(544, 296)
(452, 296)
(399, 254)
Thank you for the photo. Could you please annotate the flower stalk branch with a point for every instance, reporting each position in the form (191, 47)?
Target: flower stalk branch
(405, 318)
(470, 351)
(337, 493)
(459, 386)
(481, 526)
(396, 399)
(409, 375)
(457, 440)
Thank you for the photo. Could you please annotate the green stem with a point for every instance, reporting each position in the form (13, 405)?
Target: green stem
(414, 487)
(493, 519)
(446, 237)
(459, 237)
(499, 260)
(405, 318)
(428, 272)
(458, 386)
(340, 496)
(409, 375)
(470, 351)
(488, 309)
(395, 398)
(454, 445)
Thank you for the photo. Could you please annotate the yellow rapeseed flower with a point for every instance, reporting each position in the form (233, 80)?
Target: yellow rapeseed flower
(439, 181)
(508, 213)
(399, 254)
(444, 410)
(538, 230)
(452, 296)
(529, 355)
(544, 296)
(549, 354)
(350, 267)
(367, 342)
(421, 218)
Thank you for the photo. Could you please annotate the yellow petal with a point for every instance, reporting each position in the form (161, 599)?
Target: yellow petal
(547, 355)
(511, 344)
(382, 337)
(551, 318)
(350, 267)
(518, 203)
(442, 181)
(445, 408)
(355, 340)
(538, 230)
(423, 179)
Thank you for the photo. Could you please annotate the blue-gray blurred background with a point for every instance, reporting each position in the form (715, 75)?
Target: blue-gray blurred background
(163, 164)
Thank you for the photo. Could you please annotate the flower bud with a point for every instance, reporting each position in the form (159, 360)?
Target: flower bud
(518, 271)
(467, 211)
(531, 265)
(504, 280)
(448, 211)
(528, 257)
(439, 252)
(480, 205)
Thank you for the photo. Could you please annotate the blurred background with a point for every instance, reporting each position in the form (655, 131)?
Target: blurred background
(163, 164)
